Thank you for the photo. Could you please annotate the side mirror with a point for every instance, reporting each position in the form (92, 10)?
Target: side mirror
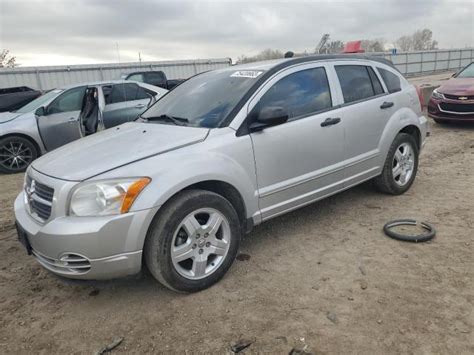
(40, 111)
(269, 116)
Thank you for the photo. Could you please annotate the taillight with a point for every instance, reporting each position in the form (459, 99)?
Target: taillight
(420, 97)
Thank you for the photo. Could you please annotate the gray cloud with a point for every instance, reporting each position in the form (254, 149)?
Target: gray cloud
(42, 32)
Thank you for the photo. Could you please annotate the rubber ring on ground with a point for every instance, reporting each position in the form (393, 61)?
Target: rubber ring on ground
(431, 232)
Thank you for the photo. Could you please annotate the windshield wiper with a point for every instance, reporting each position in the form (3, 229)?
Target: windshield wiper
(178, 121)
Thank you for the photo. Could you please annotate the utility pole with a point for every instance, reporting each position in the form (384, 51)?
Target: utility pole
(118, 51)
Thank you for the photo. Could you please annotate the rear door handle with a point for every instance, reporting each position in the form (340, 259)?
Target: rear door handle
(330, 121)
(73, 120)
(386, 104)
(140, 106)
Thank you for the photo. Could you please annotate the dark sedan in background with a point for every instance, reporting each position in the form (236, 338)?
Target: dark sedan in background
(454, 100)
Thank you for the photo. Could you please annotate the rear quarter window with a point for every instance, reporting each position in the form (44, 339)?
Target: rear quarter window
(392, 81)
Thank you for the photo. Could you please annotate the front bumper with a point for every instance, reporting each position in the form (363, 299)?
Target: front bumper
(87, 247)
(435, 111)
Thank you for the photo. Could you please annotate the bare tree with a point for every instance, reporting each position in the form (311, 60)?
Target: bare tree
(405, 43)
(263, 55)
(6, 60)
(335, 46)
(418, 41)
(373, 45)
(422, 40)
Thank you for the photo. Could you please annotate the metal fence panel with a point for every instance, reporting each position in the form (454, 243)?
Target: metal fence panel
(45, 78)
(429, 62)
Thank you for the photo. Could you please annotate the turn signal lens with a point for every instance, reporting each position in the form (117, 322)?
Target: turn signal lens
(133, 192)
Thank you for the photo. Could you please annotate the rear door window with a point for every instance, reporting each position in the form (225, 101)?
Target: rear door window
(375, 82)
(392, 81)
(357, 82)
(123, 92)
(301, 93)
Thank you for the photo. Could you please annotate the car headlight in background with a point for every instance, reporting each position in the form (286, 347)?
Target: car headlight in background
(106, 197)
(437, 95)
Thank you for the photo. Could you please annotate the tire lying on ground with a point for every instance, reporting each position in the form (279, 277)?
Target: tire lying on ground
(430, 231)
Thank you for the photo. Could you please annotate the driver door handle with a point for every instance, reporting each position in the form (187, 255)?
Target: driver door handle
(73, 120)
(330, 121)
(386, 104)
(140, 106)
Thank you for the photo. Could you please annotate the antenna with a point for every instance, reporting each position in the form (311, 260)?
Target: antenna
(118, 51)
(140, 58)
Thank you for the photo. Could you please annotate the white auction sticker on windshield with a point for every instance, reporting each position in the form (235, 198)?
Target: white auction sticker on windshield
(247, 74)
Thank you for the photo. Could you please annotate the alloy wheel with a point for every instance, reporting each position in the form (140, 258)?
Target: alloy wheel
(15, 155)
(200, 243)
(403, 164)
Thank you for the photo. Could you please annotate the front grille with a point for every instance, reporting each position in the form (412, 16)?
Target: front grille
(39, 198)
(71, 264)
(457, 97)
(460, 108)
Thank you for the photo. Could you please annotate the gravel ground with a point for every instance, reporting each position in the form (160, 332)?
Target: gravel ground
(323, 278)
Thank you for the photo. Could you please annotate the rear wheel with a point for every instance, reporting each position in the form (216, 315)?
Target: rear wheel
(193, 241)
(16, 153)
(401, 166)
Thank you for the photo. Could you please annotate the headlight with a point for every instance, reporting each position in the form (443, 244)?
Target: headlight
(437, 95)
(107, 197)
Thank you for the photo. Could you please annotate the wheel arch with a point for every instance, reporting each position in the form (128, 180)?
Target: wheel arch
(224, 189)
(413, 131)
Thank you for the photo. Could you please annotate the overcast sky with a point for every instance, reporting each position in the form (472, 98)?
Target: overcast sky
(54, 32)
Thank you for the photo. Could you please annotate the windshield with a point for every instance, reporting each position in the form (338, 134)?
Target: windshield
(467, 72)
(38, 102)
(204, 100)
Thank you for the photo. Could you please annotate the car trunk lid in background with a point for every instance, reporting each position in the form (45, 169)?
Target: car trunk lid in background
(104, 151)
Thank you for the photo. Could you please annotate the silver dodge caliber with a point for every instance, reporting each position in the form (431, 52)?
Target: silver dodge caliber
(226, 150)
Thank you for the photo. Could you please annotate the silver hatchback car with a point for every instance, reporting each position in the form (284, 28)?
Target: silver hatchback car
(224, 151)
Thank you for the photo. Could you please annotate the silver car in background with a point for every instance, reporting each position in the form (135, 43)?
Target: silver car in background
(55, 118)
(222, 152)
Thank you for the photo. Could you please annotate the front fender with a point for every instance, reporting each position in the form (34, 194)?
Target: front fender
(177, 170)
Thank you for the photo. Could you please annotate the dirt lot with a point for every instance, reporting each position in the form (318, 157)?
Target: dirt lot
(324, 276)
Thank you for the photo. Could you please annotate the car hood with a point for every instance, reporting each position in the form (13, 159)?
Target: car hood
(458, 86)
(8, 116)
(115, 147)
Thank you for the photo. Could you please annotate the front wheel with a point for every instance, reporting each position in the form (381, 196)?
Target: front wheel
(16, 153)
(401, 166)
(193, 241)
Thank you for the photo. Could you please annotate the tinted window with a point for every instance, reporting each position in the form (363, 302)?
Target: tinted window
(136, 77)
(206, 99)
(355, 82)
(142, 94)
(121, 93)
(70, 100)
(391, 80)
(301, 93)
(375, 82)
(155, 78)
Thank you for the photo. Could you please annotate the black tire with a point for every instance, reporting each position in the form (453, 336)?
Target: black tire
(430, 231)
(386, 182)
(157, 249)
(16, 163)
